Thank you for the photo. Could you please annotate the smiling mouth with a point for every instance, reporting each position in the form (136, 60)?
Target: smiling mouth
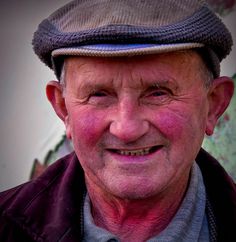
(139, 152)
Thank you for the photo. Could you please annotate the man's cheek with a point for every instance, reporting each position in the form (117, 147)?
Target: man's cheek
(184, 130)
(88, 127)
(172, 125)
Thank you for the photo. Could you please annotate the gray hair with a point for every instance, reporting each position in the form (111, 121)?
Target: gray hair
(206, 74)
(62, 79)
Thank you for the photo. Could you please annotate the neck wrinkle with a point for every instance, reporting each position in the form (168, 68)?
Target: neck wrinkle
(121, 218)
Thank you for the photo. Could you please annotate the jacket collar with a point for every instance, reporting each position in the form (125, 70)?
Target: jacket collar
(221, 194)
(50, 206)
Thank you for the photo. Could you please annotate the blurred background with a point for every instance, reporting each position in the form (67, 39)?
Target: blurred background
(31, 134)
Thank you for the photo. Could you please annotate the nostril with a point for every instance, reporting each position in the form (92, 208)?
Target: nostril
(129, 130)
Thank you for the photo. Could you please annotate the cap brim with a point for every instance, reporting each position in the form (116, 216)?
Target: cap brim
(116, 50)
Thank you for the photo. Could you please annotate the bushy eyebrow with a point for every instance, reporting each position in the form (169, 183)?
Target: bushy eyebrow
(91, 87)
(165, 83)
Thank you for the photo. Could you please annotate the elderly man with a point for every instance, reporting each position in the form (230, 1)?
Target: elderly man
(139, 88)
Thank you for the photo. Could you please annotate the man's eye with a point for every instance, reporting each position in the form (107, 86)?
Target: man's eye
(162, 92)
(98, 94)
(158, 96)
(101, 98)
(158, 93)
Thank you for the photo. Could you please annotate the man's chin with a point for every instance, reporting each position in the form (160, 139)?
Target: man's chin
(133, 190)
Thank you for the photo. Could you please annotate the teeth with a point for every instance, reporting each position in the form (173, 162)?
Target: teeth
(134, 152)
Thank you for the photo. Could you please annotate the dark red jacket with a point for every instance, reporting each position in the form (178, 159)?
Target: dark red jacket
(49, 208)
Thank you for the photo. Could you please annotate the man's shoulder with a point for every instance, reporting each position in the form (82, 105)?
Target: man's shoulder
(221, 194)
(52, 198)
(219, 184)
(9, 195)
(212, 170)
(21, 195)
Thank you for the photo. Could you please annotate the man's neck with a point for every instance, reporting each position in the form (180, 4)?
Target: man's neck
(136, 220)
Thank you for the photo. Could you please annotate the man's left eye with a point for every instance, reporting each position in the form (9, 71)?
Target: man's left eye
(158, 96)
(158, 93)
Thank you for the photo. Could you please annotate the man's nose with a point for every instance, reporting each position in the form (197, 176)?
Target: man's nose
(129, 123)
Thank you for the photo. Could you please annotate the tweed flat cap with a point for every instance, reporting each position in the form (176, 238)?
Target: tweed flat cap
(130, 27)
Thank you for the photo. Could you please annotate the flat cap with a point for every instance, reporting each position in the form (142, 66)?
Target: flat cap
(130, 27)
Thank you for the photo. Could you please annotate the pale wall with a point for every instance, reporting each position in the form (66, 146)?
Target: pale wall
(27, 124)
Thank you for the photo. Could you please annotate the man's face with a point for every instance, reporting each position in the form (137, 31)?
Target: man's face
(136, 123)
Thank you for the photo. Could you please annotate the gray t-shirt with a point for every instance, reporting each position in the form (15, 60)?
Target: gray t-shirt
(188, 225)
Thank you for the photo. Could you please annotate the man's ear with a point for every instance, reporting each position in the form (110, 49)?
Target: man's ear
(54, 94)
(219, 96)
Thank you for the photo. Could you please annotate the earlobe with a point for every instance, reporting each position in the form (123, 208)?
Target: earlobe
(219, 96)
(68, 131)
(54, 94)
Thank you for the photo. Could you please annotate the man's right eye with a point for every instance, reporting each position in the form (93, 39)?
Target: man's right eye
(101, 98)
(98, 94)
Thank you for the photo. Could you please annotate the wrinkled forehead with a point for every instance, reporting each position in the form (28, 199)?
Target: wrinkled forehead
(170, 70)
(184, 61)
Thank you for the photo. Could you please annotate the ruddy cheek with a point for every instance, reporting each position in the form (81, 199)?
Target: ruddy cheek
(89, 127)
(171, 125)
